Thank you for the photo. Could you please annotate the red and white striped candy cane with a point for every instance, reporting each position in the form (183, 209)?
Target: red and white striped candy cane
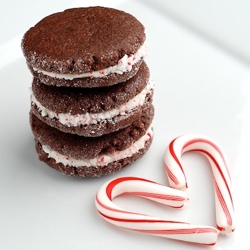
(147, 224)
(222, 181)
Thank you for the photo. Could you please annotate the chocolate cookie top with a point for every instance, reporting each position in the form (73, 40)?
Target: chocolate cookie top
(82, 40)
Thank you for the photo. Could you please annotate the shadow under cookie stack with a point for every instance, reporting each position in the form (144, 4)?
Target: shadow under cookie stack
(91, 98)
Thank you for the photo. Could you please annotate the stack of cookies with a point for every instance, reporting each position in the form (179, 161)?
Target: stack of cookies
(91, 96)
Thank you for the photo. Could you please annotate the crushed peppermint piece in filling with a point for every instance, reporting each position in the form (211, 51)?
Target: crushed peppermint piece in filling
(70, 120)
(125, 64)
(101, 160)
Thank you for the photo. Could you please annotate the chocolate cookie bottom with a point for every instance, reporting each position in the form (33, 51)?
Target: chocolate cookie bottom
(91, 171)
(89, 157)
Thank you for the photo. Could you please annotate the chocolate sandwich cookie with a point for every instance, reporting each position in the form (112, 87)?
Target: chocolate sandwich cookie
(93, 111)
(92, 156)
(85, 47)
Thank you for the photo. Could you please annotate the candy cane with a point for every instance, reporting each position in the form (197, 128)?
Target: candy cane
(222, 181)
(147, 224)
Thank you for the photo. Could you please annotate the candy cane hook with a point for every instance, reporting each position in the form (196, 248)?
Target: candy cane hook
(147, 224)
(222, 181)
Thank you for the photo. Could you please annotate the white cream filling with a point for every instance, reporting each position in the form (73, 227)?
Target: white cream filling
(101, 160)
(124, 65)
(69, 120)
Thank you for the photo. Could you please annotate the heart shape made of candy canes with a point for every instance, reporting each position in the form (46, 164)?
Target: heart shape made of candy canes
(174, 197)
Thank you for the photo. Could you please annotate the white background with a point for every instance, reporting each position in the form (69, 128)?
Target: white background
(198, 57)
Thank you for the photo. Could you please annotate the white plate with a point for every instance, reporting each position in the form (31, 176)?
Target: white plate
(199, 89)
